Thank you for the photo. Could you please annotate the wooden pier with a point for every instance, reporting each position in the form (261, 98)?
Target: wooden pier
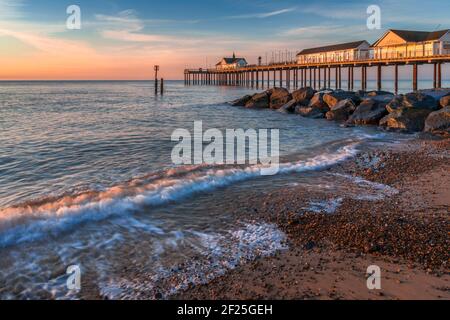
(316, 75)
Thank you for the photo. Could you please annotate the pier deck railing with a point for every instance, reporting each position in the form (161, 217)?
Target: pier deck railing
(317, 74)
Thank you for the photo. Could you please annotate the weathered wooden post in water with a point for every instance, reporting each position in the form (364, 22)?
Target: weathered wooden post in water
(156, 68)
(162, 86)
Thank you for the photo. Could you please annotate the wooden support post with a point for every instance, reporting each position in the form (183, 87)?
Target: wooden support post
(310, 77)
(366, 78)
(415, 76)
(274, 78)
(362, 78)
(379, 78)
(396, 79)
(281, 78)
(162, 86)
(306, 77)
(302, 77)
(319, 78)
(314, 78)
(325, 77)
(329, 78)
(435, 75)
(288, 78)
(439, 81)
(257, 79)
(349, 86)
(336, 73)
(352, 78)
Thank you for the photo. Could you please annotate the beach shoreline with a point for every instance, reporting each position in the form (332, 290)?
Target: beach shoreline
(405, 234)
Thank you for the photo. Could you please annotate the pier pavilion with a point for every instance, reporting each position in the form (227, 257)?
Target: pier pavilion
(408, 44)
(232, 63)
(351, 51)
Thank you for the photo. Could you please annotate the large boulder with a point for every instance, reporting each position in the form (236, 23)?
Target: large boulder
(342, 110)
(438, 121)
(395, 104)
(418, 100)
(413, 100)
(288, 107)
(369, 112)
(259, 101)
(311, 112)
(303, 95)
(332, 99)
(406, 120)
(317, 108)
(279, 97)
(317, 100)
(241, 102)
(381, 96)
(445, 101)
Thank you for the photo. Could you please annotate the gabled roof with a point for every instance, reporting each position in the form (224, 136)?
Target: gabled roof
(336, 47)
(415, 36)
(231, 60)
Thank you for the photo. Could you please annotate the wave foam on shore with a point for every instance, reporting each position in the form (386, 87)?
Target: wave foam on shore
(30, 222)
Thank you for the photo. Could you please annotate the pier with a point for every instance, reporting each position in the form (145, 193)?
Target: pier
(316, 75)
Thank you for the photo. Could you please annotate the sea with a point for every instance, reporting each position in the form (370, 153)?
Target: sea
(93, 206)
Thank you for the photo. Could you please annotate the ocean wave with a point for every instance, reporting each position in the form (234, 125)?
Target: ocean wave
(36, 221)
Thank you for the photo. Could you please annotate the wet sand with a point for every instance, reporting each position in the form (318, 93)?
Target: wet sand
(406, 234)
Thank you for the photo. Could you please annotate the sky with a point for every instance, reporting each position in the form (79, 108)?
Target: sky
(124, 39)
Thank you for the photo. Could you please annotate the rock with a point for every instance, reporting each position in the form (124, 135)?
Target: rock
(438, 121)
(445, 101)
(259, 101)
(332, 99)
(311, 112)
(395, 104)
(288, 107)
(437, 94)
(418, 100)
(342, 110)
(316, 109)
(414, 100)
(378, 93)
(369, 112)
(279, 97)
(317, 100)
(406, 120)
(241, 102)
(303, 95)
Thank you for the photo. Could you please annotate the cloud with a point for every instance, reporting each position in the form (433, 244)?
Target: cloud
(47, 44)
(11, 9)
(321, 33)
(263, 14)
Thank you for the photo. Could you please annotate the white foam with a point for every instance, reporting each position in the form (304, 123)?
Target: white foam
(221, 252)
(34, 222)
(382, 191)
(329, 206)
